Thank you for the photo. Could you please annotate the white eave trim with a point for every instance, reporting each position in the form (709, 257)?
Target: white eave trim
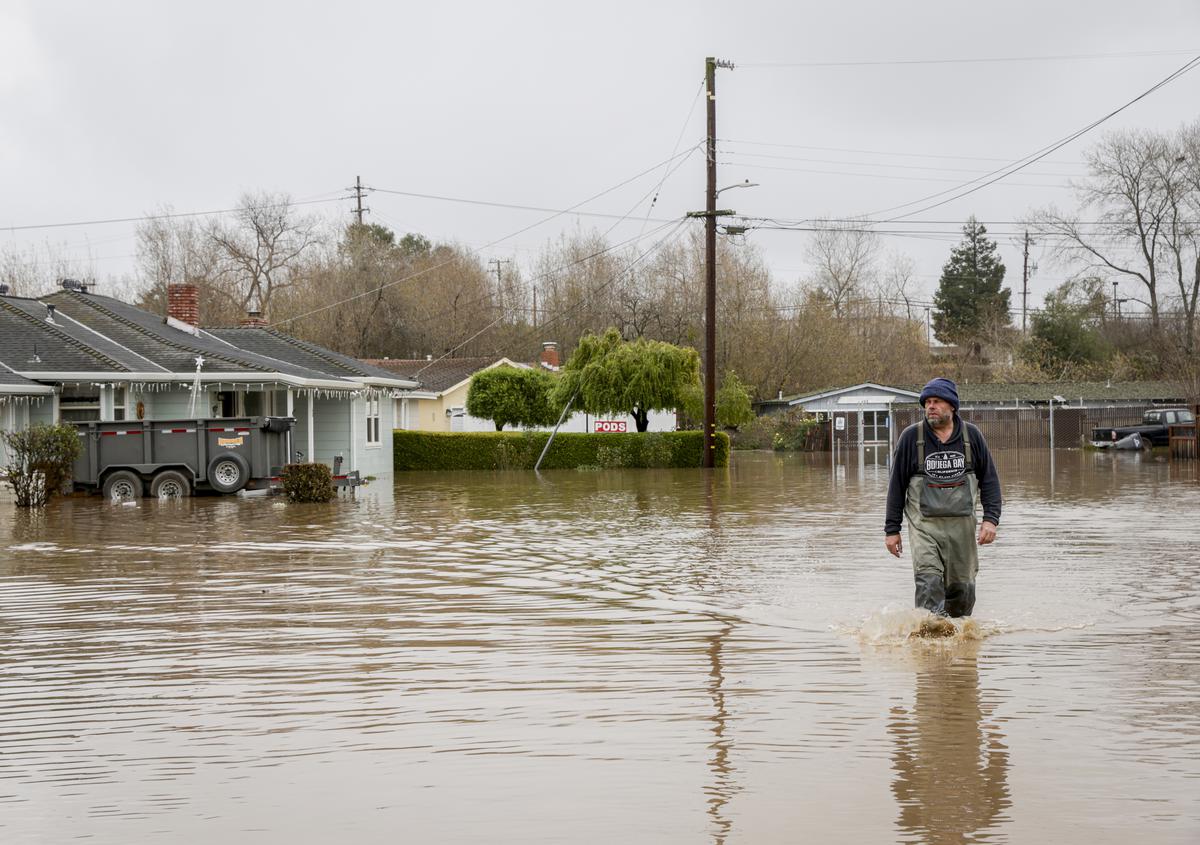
(188, 378)
(380, 381)
(26, 389)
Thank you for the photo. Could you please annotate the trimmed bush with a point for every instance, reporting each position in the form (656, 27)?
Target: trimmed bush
(429, 450)
(42, 461)
(308, 483)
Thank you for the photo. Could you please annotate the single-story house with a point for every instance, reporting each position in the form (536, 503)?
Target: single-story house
(872, 414)
(74, 356)
(439, 403)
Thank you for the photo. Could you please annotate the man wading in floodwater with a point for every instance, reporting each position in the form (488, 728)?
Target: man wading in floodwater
(938, 466)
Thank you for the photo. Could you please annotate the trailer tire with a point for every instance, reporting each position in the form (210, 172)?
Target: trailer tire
(170, 484)
(122, 484)
(228, 473)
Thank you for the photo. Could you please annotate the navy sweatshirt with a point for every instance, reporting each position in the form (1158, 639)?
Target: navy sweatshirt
(941, 466)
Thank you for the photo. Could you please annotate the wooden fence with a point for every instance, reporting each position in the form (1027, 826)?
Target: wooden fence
(1029, 428)
(1183, 441)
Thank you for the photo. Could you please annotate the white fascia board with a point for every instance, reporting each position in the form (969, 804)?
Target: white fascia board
(188, 378)
(379, 381)
(418, 394)
(27, 389)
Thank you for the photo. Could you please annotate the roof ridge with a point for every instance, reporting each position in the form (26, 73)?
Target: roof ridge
(56, 330)
(314, 350)
(96, 306)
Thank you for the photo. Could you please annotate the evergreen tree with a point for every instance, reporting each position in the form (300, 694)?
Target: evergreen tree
(970, 300)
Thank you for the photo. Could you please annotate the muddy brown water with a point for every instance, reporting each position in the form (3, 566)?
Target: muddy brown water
(647, 656)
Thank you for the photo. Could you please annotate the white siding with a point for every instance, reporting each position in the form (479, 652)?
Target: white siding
(375, 459)
(331, 427)
(175, 404)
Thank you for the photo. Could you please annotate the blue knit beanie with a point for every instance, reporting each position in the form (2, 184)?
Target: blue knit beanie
(942, 388)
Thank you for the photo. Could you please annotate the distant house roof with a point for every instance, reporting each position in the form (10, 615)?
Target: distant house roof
(996, 393)
(440, 375)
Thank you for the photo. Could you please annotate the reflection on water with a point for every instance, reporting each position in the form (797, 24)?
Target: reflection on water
(648, 656)
(951, 763)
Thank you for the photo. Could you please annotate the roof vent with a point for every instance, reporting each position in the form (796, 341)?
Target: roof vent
(3, 290)
(49, 313)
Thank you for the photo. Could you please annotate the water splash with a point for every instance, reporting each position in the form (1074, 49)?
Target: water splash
(895, 626)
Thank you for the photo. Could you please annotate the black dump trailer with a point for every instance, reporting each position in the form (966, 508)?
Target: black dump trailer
(175, 458)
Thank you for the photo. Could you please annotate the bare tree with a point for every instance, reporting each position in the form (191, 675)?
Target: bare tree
(843, 256)
(172, 250)
(262, 248)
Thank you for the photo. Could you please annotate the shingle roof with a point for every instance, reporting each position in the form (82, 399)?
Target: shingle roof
(436, 376)
(279, 346)
(28, 343)
(999, 392)
(150, 336)
(10, 383)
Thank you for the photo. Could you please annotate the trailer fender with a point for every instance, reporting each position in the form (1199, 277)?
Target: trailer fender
(228, 472)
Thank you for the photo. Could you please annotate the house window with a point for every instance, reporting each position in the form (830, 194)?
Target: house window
(875, 426)
(373, 422)
(118, 395)
(79, 403)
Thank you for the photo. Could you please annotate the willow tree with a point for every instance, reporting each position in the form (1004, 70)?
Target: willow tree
(607, 375)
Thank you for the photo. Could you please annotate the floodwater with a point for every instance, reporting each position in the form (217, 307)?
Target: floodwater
(641, 656)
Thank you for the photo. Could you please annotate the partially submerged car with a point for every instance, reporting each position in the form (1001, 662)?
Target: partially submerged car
(1154, 430)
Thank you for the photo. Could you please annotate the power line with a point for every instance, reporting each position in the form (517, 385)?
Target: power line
(887, 164)
(1020, 164)
(876, 152)
(168, 216)
(970, 60)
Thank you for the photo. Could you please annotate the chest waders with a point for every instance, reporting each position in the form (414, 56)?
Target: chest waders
(941, 534)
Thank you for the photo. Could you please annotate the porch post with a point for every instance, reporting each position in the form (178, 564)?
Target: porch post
(353, 403)
(291, 412)
(312, 447)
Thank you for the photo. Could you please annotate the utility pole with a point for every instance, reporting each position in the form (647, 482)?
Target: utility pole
(710, 278)
(710, 255)
(1025, 284)
(358, 195)
(496, 262)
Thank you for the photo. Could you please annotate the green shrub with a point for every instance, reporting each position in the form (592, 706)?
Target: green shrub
(428, 450)
(42, 459)
(790, 430)
(308, 483)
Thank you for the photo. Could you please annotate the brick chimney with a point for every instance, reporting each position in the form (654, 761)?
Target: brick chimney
(253, 318)
(550, 354)
(183, 303)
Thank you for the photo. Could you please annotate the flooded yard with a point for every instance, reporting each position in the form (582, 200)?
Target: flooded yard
(640, 656)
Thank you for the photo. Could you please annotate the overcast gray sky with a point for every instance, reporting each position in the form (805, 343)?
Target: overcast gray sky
(115, 109)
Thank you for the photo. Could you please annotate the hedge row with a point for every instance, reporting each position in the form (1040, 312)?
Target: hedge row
(425, 450)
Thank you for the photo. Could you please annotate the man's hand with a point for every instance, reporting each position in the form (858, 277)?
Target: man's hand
(987, 533)
(895, 546)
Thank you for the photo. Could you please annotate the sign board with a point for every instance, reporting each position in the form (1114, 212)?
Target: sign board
(839, 423)
(610, 426)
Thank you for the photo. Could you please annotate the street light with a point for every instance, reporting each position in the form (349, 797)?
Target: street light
(745, 184)
(1060, 400)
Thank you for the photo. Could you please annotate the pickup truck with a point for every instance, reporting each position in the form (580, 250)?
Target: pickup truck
(1153, 431)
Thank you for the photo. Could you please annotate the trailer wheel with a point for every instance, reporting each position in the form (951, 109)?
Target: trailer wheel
(122, 484)
(170, 484)
(228, 473)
